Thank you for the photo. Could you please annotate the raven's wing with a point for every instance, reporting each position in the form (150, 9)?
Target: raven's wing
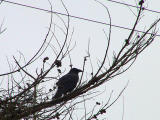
(68, 80)
(66, 84)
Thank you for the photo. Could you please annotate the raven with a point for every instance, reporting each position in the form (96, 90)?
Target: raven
(67, 83)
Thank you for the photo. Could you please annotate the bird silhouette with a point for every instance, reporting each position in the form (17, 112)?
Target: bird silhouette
(67, 83)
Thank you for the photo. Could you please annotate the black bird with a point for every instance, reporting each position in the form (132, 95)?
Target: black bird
(67, 83)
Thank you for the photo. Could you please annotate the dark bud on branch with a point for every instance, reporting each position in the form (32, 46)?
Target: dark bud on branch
(71, 65)
(141, 2)
(54, 87)
(50, 90)
(59, 70)
(102, 111)
(85, 58)
(58, 63)
(45, 59)
(98, 103)
(95, 116)
(127, 41)
(143, 8)
(57, 115)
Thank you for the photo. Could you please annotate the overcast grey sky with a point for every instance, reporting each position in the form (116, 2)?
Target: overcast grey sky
(26, 29)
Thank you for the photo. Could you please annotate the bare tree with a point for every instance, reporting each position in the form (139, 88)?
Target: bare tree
(26, 96)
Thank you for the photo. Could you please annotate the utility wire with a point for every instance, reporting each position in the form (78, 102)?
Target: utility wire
(81, 18)
(132, 6)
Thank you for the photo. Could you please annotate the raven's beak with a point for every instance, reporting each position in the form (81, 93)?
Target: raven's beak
(80, 70)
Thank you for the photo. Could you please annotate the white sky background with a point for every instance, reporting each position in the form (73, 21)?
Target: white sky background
(26, 29)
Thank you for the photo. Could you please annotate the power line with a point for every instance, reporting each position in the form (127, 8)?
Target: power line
(81, 18)
(132, 6)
